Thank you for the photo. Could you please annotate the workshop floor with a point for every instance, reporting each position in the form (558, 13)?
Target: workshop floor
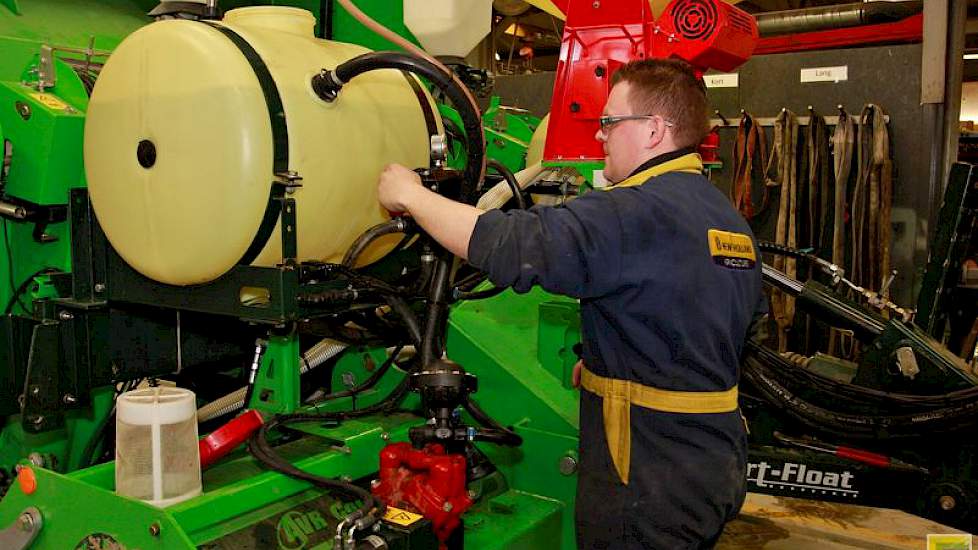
(781, 523)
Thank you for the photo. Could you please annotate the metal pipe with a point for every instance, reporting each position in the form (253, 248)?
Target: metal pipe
(834, 17)
(12, 210)
(780, 280)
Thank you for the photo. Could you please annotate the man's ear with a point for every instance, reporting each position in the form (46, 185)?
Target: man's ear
(657, 133)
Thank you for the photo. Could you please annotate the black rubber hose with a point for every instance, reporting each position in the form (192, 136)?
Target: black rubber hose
(327, 85)
(857, 426)
(20, 290)
(401, 308)
(483, 418)
(368, 383)
(498, 437)
(259, 447)
(479, 294)
(397, 225)
(432, 345)
(510, 178)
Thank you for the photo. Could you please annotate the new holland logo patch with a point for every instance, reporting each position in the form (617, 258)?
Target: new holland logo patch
(732, 250)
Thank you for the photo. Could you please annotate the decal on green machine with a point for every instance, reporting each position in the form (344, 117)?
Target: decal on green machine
(308, 526)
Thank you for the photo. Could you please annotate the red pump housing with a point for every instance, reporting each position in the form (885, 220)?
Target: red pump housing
(427, 481)
(601, 36)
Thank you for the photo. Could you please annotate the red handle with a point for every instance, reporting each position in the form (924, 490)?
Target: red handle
(866, 457)
(224, 439)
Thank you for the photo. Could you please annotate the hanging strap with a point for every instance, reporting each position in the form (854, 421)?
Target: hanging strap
(819, 182)
(784, 161)
(843, 141)
(750, 139)
(842, 144)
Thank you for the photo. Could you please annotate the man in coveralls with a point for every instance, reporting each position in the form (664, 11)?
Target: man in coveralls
(668, 277)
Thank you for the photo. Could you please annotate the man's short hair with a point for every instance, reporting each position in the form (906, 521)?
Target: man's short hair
(671, 89)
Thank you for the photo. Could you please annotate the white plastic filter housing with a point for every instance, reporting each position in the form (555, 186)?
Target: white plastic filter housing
(448, 27)
(157, 458)
(179, 147)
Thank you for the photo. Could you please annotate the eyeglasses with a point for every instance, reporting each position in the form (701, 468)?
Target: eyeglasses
(607, 121)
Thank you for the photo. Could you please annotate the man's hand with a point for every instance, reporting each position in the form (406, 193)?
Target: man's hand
(396, 187)
(576, 376)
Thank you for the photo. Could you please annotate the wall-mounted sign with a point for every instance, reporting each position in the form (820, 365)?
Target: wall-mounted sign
(825, 74)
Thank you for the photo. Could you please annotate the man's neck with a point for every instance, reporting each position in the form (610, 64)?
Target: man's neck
(661, 158)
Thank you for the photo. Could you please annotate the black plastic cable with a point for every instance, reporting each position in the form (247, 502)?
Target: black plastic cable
(510, 178)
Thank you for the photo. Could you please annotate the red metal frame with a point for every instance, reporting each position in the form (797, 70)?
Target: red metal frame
(599, 37)
(910, 29)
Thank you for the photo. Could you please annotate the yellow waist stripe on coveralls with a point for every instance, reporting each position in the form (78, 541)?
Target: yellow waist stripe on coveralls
(620, 395)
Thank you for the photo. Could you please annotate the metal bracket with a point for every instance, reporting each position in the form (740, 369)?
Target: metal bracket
(22, 532)
(45, 71)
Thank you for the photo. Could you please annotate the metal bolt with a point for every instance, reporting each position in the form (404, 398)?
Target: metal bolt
(947, 503)
(472, 494)
(385, 436)
(69, 399)
(447, 507)
(154, 529)
(26, 522)
(99, 287)
(65, 316)
(346, 479)
(23, 109)
(596, 4)
(37, 420)
(35, 390)
(374, 483)
(36, 459)
(567, 465)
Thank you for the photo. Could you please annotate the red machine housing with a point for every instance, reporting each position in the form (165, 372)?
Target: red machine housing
(427, 481)
(600, 36)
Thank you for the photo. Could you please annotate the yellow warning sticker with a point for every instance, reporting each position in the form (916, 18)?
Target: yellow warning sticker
(733, 250)
(401, 517)
(51, 101)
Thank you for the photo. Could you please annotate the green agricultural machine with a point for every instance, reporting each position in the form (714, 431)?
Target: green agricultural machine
(325, 338)
(188, 201)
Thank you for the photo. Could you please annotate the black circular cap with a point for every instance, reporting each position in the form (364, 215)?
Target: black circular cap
(146, 153)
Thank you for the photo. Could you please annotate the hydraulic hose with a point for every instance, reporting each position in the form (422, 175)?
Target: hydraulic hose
(259, 447)
(479, 294)
(509, 437)
(510, 180)
(397, 225)
(366, 385)
(933, 414)
(327, 85)
(437, 316)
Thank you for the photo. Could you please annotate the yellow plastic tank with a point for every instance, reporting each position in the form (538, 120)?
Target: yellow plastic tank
(534, 151)
(181, 154)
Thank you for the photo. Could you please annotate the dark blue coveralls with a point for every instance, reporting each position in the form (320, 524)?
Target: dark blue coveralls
(658, 308)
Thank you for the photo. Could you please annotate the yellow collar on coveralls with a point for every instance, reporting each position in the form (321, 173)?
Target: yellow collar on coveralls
(691, 163)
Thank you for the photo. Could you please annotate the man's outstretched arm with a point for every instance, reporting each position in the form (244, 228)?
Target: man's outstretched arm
(448, 222)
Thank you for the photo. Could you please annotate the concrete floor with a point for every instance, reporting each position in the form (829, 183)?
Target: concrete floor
(781, 523)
